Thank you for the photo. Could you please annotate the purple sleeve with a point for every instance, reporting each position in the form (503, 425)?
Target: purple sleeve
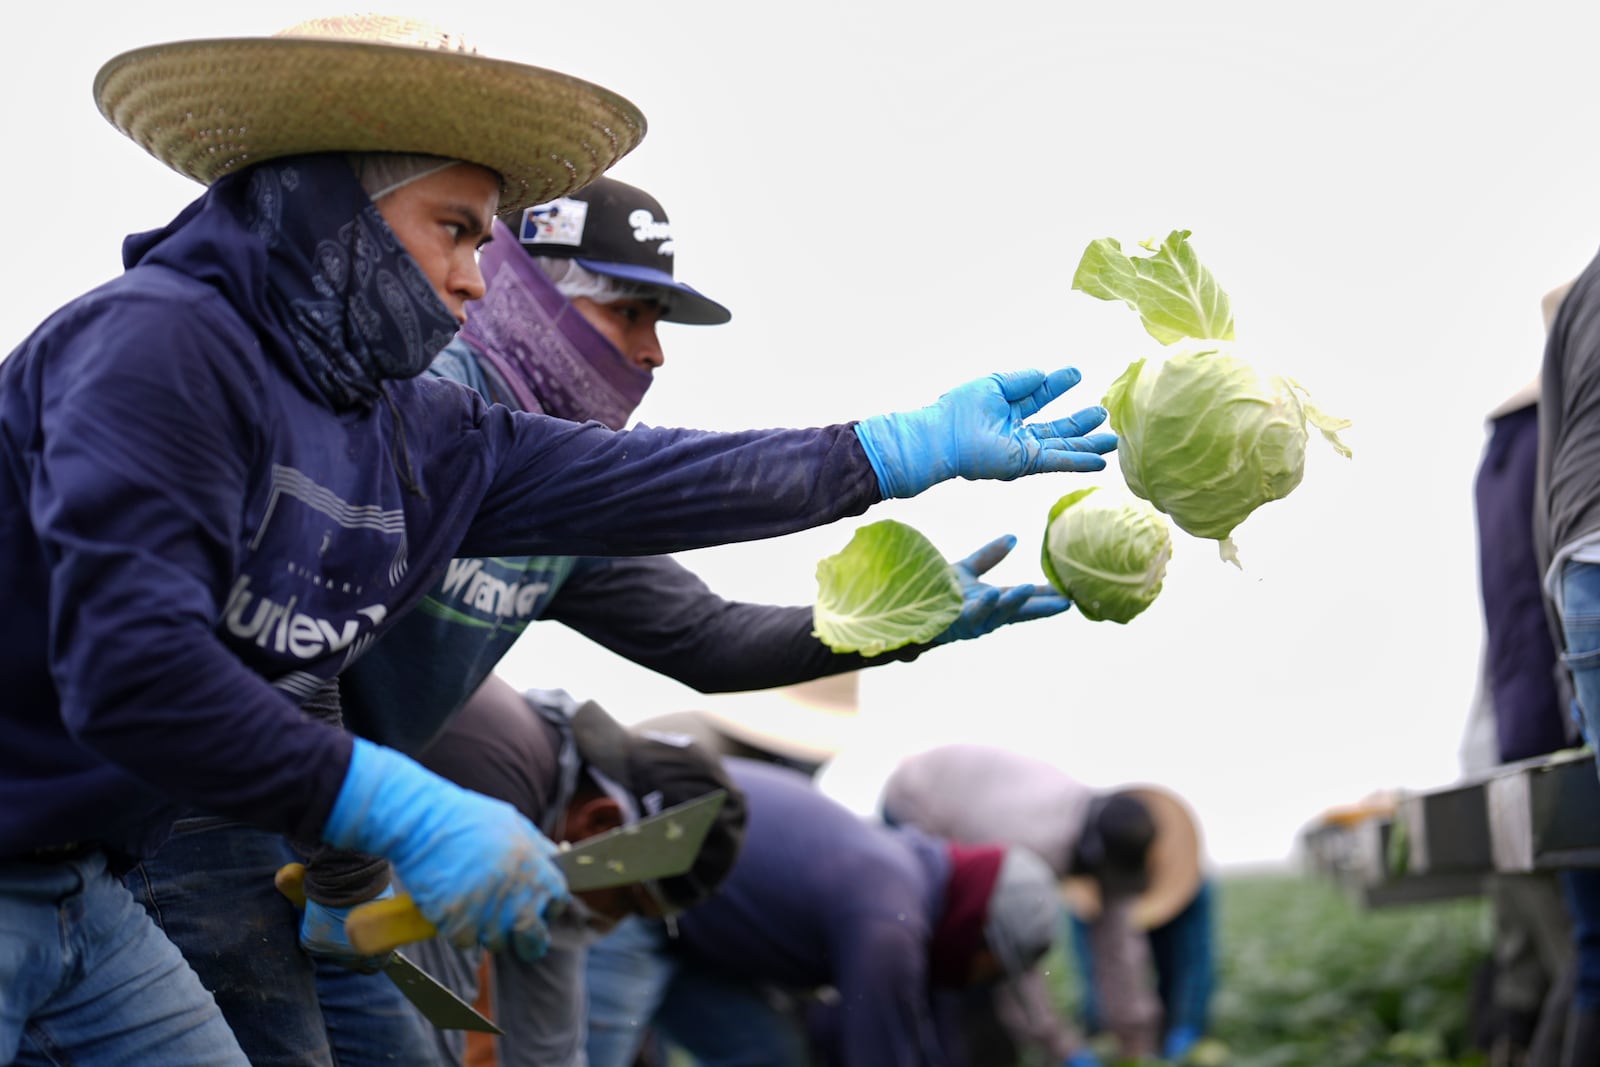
(148, 441)
(657, 613)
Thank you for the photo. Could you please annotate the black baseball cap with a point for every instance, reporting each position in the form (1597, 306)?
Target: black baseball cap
(620, 231)
(662, 770)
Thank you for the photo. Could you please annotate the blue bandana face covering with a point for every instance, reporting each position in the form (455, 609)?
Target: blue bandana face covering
(299, 249)
(356, 306)
(304, 255)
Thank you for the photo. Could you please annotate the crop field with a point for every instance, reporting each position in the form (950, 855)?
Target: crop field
(1308, 978)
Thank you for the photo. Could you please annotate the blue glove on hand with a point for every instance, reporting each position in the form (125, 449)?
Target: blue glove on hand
(977, 431)
(1180, 1039)
(322, 935)
(985, 608)
(1082, 1058)
(476, 868)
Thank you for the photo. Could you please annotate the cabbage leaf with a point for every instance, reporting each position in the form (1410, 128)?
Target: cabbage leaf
(890, 586)
(1174, 295)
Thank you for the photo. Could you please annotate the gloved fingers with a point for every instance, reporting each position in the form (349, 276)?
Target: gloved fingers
(979, 604)
(1179, 1041)
(1098, 443)
(530, 939)
(1078, 424)
(1030, 390)
(322, 934)
(513, 920)
(1024, 603)
(987, 608)
(1019, 603)
(1053, 459)
(986, 557)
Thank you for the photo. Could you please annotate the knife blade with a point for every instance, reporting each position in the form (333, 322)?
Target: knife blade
(435, 1000)
(657, 846)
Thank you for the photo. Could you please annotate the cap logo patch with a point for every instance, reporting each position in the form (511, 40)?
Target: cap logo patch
(646, 228)
(560, 222)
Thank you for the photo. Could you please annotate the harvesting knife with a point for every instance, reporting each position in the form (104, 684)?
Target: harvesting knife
(437, 1003)
(657, 846)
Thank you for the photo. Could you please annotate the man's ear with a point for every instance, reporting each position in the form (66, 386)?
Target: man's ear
(596, 815)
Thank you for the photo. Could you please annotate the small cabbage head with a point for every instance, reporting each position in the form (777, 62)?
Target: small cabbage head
(1106, 552)
(1207, 440)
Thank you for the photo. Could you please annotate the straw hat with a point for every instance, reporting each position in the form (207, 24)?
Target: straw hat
(808, 722)
(1173, 865)
(365, 83)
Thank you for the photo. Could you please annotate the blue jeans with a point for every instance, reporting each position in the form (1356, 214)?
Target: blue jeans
(636, 981)
(1580, 624)
(1581, 885)
(627, 975)
(87, 979)
(1185, 969)
(210, 888)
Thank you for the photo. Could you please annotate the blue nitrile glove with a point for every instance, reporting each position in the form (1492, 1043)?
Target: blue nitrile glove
(985, 608)
(1180, 1039)
(322, 935)
(476, 868)
(1082, 1058)
(977, 431)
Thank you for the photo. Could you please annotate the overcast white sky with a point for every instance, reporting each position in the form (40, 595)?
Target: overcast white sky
(892, 198)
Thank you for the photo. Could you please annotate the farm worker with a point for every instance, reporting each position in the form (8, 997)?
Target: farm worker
(832, 932)
(226, 477)
(575, 772)
(1129, 861)
(576, 288)
(1567, 538)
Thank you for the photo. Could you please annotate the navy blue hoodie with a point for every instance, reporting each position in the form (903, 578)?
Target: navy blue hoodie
(193, 537)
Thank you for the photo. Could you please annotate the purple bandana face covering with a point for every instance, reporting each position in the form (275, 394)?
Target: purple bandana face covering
(550, 357)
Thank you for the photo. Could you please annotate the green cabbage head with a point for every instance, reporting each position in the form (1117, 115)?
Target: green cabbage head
(1201, 435)
(1207, 440)
(1106, 552)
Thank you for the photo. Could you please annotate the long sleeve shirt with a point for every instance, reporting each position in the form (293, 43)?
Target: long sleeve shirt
(192, 540)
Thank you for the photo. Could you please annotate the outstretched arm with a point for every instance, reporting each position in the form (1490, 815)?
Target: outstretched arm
(571, 489)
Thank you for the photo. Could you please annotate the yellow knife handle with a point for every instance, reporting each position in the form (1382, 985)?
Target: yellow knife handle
(377, 927)
(381, 926)
(291, 882)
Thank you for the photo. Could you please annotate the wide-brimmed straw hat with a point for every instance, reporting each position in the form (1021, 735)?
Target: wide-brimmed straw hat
(1173, 865)
(808, 722)
(365, 83)
(801, 724)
